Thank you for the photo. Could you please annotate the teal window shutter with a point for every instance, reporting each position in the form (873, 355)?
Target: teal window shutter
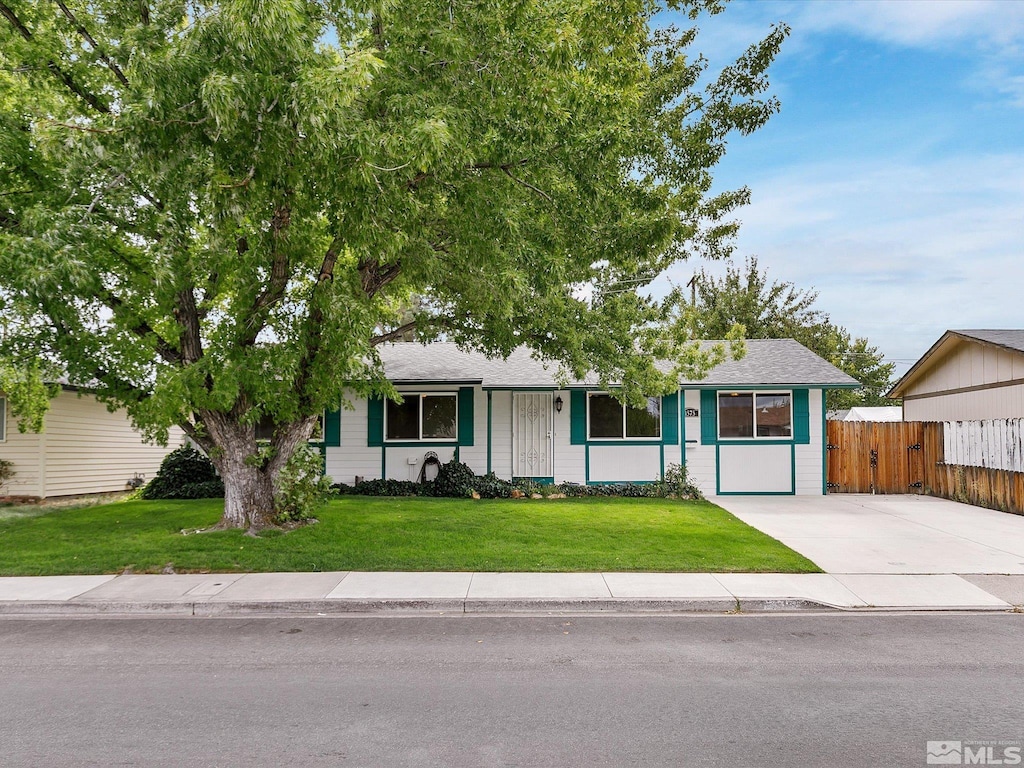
(670, 419)
(465, 415)
(332, 429)
(801, 417)
(708, 416)
(375, 421)
(577, 417)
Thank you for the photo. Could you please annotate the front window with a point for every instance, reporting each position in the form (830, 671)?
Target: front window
(422, 417)
(755, 415)
(608, 419)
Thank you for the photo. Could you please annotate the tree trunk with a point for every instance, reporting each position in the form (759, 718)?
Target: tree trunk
(248, 497)
(249, 487)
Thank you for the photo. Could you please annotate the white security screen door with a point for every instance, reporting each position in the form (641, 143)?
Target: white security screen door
(531, 435)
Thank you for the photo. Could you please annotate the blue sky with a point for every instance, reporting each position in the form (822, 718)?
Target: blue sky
(893, 179)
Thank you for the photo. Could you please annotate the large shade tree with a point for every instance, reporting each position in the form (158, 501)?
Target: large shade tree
(213, 213)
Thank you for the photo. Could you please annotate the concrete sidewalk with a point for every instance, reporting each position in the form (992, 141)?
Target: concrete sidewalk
(349, 592)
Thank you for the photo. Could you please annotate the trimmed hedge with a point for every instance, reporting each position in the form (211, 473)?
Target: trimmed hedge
(456, 480)
(185, 473)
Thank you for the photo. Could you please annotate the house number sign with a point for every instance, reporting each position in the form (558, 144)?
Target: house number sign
(691, 412)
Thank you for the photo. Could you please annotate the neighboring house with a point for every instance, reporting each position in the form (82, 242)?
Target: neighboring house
(966, 376)
(752, 426)
(83, 448)
(868, 413)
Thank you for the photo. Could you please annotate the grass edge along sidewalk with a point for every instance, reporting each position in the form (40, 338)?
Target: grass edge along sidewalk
(399, 534)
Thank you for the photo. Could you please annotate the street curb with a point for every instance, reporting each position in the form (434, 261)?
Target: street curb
(451, 606)
(342, 606)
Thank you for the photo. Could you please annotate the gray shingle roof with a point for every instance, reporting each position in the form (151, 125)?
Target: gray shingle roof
(767, 362)
(1009, 337)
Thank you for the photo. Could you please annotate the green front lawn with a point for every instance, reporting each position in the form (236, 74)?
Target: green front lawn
(408, 534)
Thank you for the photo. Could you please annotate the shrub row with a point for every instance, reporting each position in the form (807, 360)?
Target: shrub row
(456, 481)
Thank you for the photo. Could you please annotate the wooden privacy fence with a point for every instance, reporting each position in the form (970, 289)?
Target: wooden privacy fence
(911, 457)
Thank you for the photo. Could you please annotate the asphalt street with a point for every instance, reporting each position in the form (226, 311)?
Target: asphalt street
(758, 690)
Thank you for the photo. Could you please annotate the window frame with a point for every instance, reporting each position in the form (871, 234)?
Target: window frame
(622, 407)
(419, 421)
(754, 394)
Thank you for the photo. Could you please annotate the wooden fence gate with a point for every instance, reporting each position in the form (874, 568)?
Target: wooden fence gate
(875, 457)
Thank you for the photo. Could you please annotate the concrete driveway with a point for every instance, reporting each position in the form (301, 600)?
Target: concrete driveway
(855, 533)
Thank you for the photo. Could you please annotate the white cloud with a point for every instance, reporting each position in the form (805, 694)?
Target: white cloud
(898, 251)
(916, 22)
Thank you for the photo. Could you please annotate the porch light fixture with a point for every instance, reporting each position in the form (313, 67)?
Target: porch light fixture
(558, 405)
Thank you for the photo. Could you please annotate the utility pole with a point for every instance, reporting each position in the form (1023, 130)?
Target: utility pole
(693, 291)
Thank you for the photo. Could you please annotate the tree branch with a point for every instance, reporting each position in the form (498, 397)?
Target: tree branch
(95, 46)
(528, 185)
(397, 333)
(187, 315)
(89, 98)
(141, 328)
(373, 278)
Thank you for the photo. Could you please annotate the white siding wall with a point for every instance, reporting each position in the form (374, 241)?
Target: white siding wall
(809, 457)
(756, 468)
(25, 452)
(407, 463)
(90, 450)
(995, 403)
(700, 459)
(621, 463)
(501, 434)
(673, 454)
(570, 460)
(354, 458)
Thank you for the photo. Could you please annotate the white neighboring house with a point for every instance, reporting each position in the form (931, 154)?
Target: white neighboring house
(753, 426)
(83, 448)
(967, 375)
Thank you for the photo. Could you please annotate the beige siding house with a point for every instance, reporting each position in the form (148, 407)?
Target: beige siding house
(84, 448)
(966, 376)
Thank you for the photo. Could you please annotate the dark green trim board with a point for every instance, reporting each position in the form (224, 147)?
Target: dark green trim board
(754, 441)
(682, 429)
(586, 464)
(768, 387)
(625, 443)
(792, 469)
(375, 421)
(537, 480)
(661, 450)
(383, 463)
(670, 419)
(623, 482)
(489, 416)
(709, 416)
(577, 417)
(465, 410)
(824, 447)
(421, 444)
(332, 428)
(801, 417)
